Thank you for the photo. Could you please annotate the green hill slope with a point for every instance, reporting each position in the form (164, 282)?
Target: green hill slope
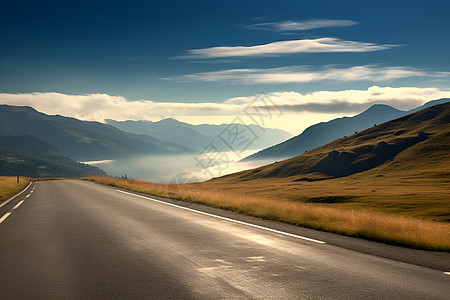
(28, 156)
(81, 140)
(325, 132)
(417, 143)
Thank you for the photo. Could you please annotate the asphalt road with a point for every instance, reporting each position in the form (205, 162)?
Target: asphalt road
(80, 240)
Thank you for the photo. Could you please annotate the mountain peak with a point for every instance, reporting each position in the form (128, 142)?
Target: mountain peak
(322, 133)
(380, 108)
(169, 121)
(19, 108)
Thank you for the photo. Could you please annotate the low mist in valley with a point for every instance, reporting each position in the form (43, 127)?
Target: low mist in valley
(177, 168)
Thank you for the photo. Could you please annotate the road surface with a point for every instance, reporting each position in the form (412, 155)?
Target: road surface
(80, 240)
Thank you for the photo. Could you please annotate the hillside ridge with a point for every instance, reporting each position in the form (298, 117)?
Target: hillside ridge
(324, 132)
(81, 140)
(28, 156)
(423, 136)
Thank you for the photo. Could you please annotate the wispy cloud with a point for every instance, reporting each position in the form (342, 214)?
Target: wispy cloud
(348, 101)
(302, 74)
(300, 25)
(98, 107)
(320, 45)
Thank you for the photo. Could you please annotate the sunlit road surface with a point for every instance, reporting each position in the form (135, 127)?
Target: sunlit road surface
(80, 240)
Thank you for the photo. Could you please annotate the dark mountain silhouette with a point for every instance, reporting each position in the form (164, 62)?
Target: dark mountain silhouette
(199, 136)
(28, 156)
(415, 144)
(322, 133)
(81, 140)
(428, 104)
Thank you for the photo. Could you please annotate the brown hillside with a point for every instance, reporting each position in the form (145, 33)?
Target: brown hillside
(401, 167)
(418, 144)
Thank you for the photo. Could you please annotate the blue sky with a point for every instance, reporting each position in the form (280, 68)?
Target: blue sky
(213, 51)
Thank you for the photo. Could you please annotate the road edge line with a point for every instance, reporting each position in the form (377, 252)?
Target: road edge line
(227, 219)
(5, 216)
(15, 196)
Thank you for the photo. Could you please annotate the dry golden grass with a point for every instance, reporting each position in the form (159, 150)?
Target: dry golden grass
(414, 182)
(398, 194)
(398, 230)
(9, 186)
(49, 179)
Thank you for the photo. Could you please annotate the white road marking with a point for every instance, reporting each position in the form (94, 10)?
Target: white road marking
(227, 219)
(32, 191)
(14, 197)
(447, 273)
(4, 217)
(27, 196)
(255, 259)
(212, 269)
(18, 204)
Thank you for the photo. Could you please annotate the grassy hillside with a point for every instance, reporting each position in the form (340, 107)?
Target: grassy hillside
(401, 167)
(394, 146)
(325, 132)
(9, 186)
(31, 157)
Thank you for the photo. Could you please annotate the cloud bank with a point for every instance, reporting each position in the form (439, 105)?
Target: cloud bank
(98, 107)
(320, 45)
(302, 74)
(348, 101)
(300, 25)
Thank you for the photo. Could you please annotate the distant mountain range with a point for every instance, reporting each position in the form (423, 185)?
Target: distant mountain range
(28, 156)
(41, 145)
(417, 144)
(45, 144)
(322, 133)
(81, 140)
(199, 136)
